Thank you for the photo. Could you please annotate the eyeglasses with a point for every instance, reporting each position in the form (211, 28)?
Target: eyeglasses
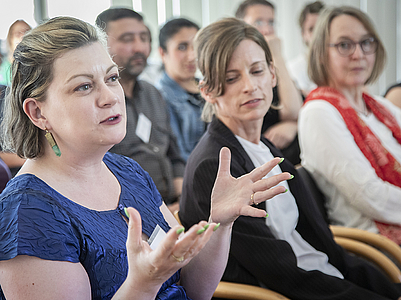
(346, 48)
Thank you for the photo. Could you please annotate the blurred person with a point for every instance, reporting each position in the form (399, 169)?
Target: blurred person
(280, 125)
(350, 140)
(298, 67)
(178, 84)
(76, 220)
(292, 251)
(14, 36)
(149, 140)
(393, 94)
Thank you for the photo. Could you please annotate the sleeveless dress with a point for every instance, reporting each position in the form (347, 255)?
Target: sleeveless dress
(38, 221)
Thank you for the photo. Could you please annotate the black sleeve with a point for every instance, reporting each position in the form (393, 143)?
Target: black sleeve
(256, 257)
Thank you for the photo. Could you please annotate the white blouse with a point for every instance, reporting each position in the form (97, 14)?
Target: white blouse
(283, 217)
(356, 195)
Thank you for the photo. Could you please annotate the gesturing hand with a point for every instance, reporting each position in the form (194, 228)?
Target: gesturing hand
(148, 268)
(233, 197)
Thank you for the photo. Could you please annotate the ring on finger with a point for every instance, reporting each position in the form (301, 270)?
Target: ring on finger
(252, 199)
(179, 259)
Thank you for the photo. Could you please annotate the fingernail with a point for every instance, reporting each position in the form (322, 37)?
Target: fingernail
(180, 230)
(206, 226)
(126, 212)
(285, 191)
(216, 227)
(266, 215)
(281, 160)
(292, 176)
(200, 231)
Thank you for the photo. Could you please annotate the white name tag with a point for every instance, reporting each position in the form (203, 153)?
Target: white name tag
(156, 237)
(143, 128)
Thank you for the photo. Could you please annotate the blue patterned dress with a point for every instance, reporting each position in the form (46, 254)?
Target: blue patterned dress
(36, 220)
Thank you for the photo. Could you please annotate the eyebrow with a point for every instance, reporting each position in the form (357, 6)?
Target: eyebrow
(348, 38)
(130, 34)
(91, 75)
(254, 63)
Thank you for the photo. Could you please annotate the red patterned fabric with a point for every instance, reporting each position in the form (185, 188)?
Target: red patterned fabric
(385, 165)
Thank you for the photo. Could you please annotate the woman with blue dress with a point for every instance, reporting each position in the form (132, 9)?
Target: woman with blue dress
(78, 222)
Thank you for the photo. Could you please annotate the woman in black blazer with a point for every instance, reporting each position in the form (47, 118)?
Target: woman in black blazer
(292, 251)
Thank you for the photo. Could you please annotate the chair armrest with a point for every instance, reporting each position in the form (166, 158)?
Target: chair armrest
(371, 254)
(376, 240)
(231, 290)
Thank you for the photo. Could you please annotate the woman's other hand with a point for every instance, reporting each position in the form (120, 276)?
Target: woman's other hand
(149, 269)
(233, 197)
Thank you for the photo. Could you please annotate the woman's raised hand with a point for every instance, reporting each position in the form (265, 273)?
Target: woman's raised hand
(233, 197)
(149, 269)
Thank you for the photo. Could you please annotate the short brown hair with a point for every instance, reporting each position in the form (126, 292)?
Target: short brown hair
(32, 74)
(241, 10)
(215, 45)
(311, 8)
(318, 54)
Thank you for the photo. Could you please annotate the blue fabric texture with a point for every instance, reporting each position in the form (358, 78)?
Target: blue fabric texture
(185, 114)
(38, 221)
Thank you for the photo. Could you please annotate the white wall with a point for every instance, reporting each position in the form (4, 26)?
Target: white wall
(383, 13)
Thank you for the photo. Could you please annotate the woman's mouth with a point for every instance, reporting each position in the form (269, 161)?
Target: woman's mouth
(112, 120)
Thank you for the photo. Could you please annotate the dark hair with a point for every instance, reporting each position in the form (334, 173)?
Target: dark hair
(311, 8)
(172, 27)
(32, 74)
(114, 14)
(241, 10)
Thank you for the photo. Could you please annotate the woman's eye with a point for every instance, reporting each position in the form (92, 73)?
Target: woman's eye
(230, 79)
(83, 88)
(182, 47)
(257, 72)
(345, 45)
(114, 78)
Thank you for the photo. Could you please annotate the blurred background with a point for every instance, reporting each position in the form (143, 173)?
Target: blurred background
(383, 13)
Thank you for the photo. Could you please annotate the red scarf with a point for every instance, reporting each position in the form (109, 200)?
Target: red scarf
(386, 166)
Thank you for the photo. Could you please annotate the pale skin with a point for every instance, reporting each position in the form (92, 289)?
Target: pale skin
(179, 58)
(349, 74)
(248, 91)
(85, 98)
(282, 133)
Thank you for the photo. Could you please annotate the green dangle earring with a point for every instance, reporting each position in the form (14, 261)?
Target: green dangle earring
(52, 143)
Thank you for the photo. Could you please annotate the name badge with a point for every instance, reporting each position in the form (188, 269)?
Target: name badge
(156, 237)
(143, 128)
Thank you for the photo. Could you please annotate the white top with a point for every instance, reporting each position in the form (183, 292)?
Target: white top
(298, 69)
(283, 217)
(356, 195)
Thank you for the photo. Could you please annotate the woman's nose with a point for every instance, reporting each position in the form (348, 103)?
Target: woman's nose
(108, 96)
(249, 84)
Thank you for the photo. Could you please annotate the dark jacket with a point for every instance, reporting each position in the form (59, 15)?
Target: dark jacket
(256, 256)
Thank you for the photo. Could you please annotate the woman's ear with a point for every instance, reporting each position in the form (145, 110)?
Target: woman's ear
(32, 109)
(208, 96)
(162, 53)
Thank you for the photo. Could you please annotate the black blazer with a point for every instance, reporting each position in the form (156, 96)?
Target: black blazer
(256, 256)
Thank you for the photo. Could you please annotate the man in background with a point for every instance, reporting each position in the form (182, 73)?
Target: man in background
(149, 139)
(279, 125)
